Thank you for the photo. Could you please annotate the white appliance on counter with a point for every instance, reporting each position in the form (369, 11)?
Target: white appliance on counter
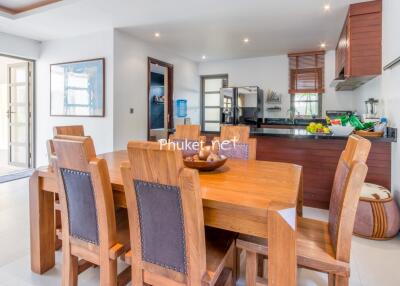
(371, 115)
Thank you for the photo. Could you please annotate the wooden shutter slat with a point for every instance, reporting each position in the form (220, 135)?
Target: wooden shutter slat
(306, 72)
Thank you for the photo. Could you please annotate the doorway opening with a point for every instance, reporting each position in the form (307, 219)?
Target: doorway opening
(160, 99)
(16, 117)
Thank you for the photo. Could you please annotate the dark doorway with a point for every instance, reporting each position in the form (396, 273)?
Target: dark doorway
(160, 99)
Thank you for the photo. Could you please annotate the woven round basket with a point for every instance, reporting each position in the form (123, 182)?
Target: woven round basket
(378, 215)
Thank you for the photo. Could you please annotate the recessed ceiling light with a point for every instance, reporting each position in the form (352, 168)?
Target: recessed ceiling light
(157, 35)
(323, 45)
(327, 7)
(204, 57)
(246, 40)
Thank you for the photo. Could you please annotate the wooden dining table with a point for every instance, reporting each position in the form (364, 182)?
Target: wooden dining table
(251, 197)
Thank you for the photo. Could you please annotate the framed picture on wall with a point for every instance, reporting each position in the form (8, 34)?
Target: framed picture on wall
(78, 88)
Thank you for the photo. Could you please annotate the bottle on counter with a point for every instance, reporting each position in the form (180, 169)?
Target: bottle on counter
(382, 126)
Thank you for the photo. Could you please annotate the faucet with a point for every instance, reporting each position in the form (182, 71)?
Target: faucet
(292, 113)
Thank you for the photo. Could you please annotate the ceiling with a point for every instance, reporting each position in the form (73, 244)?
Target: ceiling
(13, 7)
(193, 28)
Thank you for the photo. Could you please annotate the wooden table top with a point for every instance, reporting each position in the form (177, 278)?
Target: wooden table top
(239, 184)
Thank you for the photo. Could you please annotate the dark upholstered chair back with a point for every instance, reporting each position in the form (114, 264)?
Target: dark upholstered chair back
(81, 205)
(241, 145)
(160, 195)
(349, 178)
(161, 225)
(85, 191)
(235, 150)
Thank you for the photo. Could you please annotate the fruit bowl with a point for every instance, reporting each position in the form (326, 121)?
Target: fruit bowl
(204, 165)
(339, 130)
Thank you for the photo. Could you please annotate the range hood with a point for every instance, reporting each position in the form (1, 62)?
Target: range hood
(349, 83)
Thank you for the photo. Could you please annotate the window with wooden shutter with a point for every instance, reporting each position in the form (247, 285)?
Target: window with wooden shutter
(306, 72)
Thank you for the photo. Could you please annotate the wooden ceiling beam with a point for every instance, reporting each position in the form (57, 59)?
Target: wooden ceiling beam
(27, 8)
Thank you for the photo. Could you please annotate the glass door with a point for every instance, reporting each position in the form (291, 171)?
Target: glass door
(18, 114)
(211, 102)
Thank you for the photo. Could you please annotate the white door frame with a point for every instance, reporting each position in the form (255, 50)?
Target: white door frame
(29, 162)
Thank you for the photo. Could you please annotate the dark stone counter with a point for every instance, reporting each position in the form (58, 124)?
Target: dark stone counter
(304, 134)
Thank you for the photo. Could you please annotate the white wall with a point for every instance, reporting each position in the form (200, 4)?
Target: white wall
(72, 49)
(272, 73)
(386, 88)
(20, 47)
(130, 82)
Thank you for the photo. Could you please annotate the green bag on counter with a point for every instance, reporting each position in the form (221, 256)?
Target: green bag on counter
(356, 123)
(344, 119)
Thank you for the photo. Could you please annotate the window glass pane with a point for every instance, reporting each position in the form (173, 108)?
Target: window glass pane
(211, 114)
(209, 126)
(19, 114)
(306, 108)
(212, 84)
(18, 94)
(18, 154)
(211, 99)
(18, 134)
(18, 75)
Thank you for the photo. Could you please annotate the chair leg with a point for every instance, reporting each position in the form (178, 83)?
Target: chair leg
(238, 254)
(251, 268)
(260, 265)
(336, 280)
(69, 270)
(58, 242)
(331, 280)
(341, 281)
(232, 264)
(108, 273)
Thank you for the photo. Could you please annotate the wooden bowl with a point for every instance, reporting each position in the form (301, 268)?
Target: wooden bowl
(369, 133)
(204, 165)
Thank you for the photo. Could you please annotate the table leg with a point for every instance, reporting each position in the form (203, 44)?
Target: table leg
(41, 211)
(282, 265)
(300, 198)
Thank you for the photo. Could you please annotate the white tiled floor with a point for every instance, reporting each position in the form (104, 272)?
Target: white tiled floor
(373, 263)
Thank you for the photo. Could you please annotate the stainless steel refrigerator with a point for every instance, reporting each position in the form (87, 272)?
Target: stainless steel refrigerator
(241, 105)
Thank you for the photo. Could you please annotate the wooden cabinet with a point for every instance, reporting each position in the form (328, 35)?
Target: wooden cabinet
(359, 49)
(341, 53)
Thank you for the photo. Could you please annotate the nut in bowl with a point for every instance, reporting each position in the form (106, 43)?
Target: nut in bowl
(206, 160)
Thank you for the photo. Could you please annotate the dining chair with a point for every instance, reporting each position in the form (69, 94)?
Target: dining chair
(51, 155)
(190, 133)
(94, 234)
(170, 245)
(68, 130)
(73, 130)
(323, 246)
(240, 145)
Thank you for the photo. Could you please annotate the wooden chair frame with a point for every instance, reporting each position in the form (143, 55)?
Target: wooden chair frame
(59, 131)
(79, 154)
(242, 134)
(329, 252)
(167, 169)
(189, 132)
(72, 130)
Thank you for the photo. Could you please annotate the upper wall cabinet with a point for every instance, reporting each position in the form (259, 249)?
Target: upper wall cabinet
(359, 50)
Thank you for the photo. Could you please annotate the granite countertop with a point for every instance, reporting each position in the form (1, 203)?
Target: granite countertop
(302, 133)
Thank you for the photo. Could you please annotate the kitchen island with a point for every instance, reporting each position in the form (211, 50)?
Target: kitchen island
(319, 155)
